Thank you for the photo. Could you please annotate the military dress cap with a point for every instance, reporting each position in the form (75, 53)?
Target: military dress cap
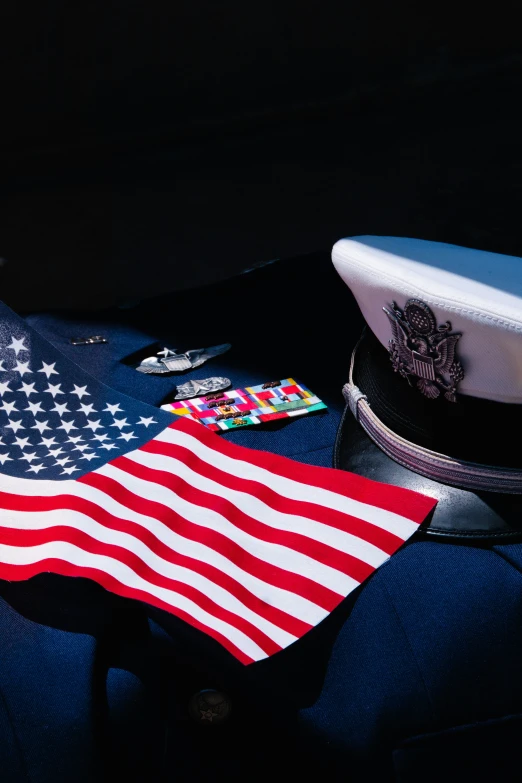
(434, 394)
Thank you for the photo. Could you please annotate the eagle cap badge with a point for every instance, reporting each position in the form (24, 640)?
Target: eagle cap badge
(422, 352)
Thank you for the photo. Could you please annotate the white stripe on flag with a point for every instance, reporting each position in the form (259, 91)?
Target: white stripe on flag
(275, 554)
(251, 548)
(253, 507)
(73, 519)
(290, 602)
(290, 488)
(15, 555)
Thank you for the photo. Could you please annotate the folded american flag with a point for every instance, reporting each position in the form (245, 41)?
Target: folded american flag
(249, 547)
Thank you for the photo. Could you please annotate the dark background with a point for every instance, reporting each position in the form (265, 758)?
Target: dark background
(152, 146)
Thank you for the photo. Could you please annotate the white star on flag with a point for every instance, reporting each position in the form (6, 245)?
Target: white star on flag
(28, 389)
(81, 391)
(48, 369)
(67, 426)
(8, 407)
(15, 425)
(87, 409)
(30, 456)
(53, 389)
(120, 423)
(22, 368)
(48, 442)
(34, 407)
(93, 425)
(60, 408)
(113, 409)
(22, 442)
(126, 436)
(36, 468)
(146, 421)
(41, 426)
(63, 461)
(17, 346)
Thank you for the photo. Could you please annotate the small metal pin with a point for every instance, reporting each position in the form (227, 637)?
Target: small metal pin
(196, 388)
(173, 361)
(94, 340)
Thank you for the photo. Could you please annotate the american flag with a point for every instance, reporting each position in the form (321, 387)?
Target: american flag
(249, 547)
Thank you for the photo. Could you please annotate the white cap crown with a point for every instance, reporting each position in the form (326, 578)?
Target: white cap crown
(478, 292)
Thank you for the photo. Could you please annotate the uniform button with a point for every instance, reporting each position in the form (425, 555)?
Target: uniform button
(210, 707)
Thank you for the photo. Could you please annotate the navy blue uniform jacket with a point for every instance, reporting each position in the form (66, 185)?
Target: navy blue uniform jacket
(416, 676)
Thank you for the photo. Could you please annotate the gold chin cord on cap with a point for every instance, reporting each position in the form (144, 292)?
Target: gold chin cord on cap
(439, 467)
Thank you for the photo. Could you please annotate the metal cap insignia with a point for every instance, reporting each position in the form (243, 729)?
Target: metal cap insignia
(422, 351)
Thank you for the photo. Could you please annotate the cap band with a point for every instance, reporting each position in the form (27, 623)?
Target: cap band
(433, 465)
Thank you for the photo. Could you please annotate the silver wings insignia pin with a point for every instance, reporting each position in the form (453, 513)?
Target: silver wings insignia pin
(422, 351)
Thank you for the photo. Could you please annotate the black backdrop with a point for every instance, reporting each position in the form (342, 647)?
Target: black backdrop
(153, 145)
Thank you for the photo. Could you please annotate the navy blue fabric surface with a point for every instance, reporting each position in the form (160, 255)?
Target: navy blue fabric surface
(486, 750)
(430, 646)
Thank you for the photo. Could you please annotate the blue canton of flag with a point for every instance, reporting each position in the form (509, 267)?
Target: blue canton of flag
(56, 421)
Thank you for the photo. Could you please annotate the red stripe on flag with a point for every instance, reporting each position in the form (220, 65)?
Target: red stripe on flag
(30, 538)
(405, 502)
(286, 580)
(18, 573)
(373, 534)
(322, 553)
(70, 502)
